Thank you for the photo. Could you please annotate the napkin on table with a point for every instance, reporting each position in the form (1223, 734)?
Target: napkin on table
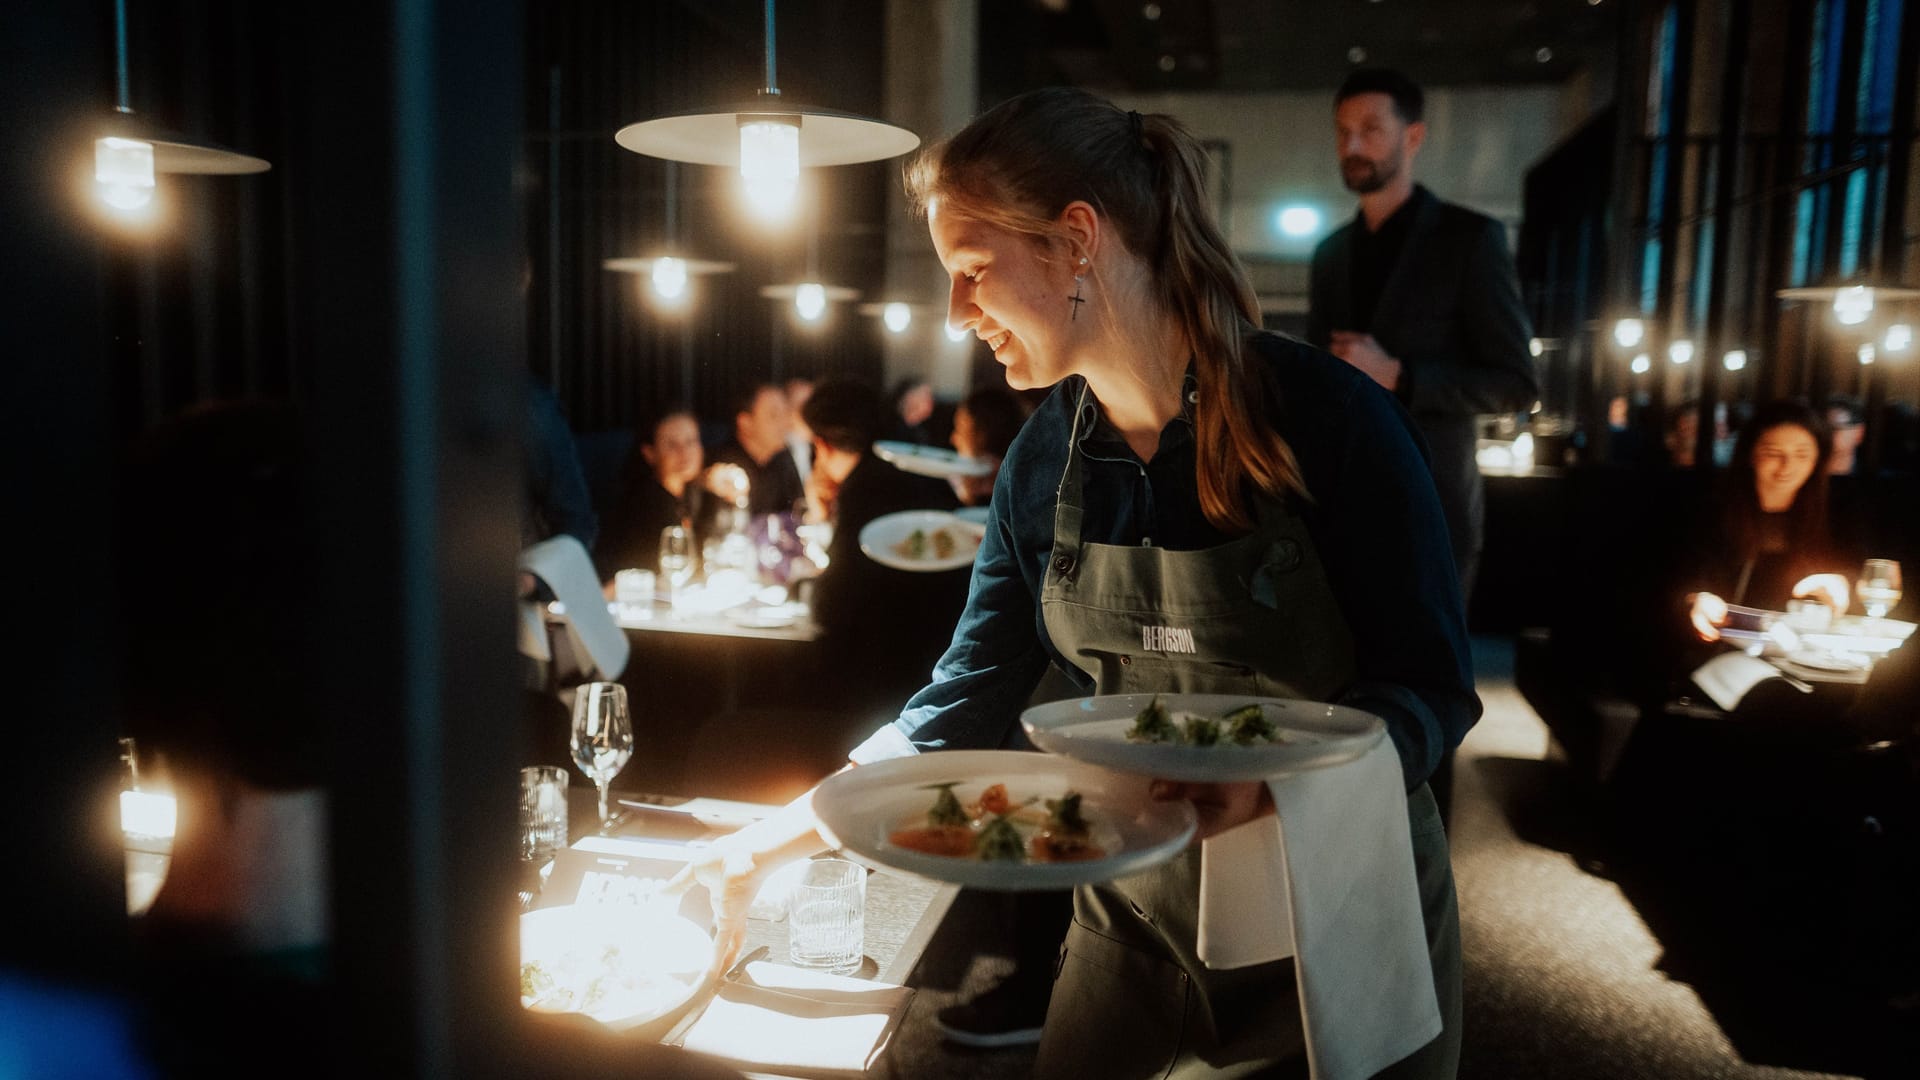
(788, 1019)
(1329, 880)
(562, 563)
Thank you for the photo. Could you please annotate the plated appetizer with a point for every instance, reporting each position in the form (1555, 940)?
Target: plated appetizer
(993, 828)
(935, 544)
(1244, 725)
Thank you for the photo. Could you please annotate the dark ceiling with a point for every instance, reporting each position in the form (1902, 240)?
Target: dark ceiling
(1273, 45)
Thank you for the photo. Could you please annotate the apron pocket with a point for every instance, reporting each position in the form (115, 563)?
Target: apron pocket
(1117, 1011)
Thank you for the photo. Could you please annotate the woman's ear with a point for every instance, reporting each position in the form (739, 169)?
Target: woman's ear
(1080, 227)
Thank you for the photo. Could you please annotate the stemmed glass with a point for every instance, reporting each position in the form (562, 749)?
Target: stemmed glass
(676, 556)
(602, 734)
(1879, 586)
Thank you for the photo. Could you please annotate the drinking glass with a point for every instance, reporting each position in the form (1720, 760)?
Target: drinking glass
(543, 811)
(1879, 586)
(676, 556)
(827, 923)
(602, 734)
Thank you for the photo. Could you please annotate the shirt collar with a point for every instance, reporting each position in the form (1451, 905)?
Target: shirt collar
(1095, 430)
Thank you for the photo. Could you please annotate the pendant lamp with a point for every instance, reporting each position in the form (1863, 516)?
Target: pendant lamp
(769, 139)
(671, 269)
(1852, 304)
(130, 150)
(810, 295)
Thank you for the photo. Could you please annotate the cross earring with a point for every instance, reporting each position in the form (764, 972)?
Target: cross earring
(1079, 280)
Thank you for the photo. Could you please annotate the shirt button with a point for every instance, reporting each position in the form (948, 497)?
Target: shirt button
(1062, 563)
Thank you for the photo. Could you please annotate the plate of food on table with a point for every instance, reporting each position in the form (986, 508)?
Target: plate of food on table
(920, 541)
(1203, 738)
(621, 965)
(1002, 820)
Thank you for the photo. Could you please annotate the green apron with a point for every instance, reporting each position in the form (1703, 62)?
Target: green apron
(1252, 616)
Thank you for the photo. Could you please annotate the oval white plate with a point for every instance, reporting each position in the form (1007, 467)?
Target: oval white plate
(1094, 730)
(881, 535)
(665, 952)
(859, 808)
(930, 460)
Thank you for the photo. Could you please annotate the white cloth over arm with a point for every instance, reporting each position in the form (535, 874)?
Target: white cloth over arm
(1329, 880)
(562, 563)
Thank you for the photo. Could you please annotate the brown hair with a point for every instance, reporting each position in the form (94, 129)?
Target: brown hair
(1017, 167)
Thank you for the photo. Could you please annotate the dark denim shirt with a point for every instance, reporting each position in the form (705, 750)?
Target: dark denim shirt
(1374, 517)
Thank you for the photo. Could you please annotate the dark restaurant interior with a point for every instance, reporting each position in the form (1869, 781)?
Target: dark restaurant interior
(301, 397)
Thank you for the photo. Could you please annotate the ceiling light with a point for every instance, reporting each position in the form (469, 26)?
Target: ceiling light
(1642, 364)
(668, 275)
(1298, 221)
(129, 151)
(1628, 333)
(124, 170)
(1899, 338)
(1866, 354)
(1542, 54)
(769, 139)
(897, 316)
(1680, 352)
(1356, 55)
(1734, 360)
(1535, 347)
(810, 298)
(1151, 12)
(1852, 305)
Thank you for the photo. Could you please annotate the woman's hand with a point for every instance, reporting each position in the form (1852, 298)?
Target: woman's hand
(1829, 589)
(1708, 614)
(732, 875)
(734, 868)
(1220, 806)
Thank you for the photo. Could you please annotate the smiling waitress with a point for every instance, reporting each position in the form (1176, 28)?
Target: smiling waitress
(1200, 506)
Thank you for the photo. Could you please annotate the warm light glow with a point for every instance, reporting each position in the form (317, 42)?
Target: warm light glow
(1866, 354)
(1642, 364)
(145, 813)
(669, 278)
(1298, 221)
(956, 333)
(1851, 306)
(1899, 338)
(897, 316)
(1523, 448)
(1734, 360)
(1535, 347)
(1628, 333)
(124, 170)
(1680, 352)
(810, 300)
(770, 166)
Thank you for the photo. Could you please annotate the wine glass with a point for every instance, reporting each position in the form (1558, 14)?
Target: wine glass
(676, 556)
(1879, 586)
(602, 734)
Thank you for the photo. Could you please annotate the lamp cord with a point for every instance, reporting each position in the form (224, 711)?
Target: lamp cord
(120, 53)
(772, 86)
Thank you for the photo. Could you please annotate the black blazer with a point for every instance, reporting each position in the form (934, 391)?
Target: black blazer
(1451, 314)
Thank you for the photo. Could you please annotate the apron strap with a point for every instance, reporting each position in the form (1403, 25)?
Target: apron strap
(1065, 556)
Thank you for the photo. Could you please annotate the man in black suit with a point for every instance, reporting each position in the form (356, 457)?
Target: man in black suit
(1421, 295)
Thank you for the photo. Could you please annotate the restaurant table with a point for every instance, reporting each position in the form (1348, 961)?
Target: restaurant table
(902, 912)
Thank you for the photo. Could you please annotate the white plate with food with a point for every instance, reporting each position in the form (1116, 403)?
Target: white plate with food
(934, 461)
(921, 541)
(1003, 820)
(620, 965)
(1204, 738)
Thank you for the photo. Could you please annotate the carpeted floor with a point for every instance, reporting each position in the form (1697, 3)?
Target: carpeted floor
(1565, 977)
